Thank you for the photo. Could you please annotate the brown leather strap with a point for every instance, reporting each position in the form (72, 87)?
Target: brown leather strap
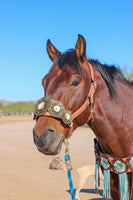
(89, 100)
(90, 97)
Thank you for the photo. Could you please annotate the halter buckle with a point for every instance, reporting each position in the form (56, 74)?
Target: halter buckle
(94, 83)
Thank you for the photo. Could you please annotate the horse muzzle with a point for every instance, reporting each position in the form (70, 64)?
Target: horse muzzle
(47, 143)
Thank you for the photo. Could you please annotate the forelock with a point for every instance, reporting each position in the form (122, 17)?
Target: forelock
(69, 58)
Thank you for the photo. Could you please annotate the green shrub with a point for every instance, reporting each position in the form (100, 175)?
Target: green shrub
(1, 106)
(24, 107)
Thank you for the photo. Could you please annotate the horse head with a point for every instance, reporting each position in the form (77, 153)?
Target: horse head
(66, 87)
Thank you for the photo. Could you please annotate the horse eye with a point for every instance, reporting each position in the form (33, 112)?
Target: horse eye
(74, 83)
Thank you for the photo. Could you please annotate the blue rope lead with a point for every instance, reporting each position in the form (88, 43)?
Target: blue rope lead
(69, 167)
(67, 158)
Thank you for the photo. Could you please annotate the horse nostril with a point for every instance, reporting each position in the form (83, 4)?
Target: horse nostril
(45, 139)
(50, 135)
(40, 143)
(51, 130)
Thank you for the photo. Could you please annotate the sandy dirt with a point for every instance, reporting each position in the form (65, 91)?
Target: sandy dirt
(25, 173)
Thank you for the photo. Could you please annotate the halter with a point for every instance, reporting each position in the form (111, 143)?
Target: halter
(51, 108)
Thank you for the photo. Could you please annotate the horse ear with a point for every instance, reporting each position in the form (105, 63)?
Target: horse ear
(52, 51)
(81, 48)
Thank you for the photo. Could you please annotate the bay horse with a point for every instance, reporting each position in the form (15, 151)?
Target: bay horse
(94, 93)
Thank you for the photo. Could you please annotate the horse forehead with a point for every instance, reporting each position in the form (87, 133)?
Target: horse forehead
(54, 80)
(59, 75)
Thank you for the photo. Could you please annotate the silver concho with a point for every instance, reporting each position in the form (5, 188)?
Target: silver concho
(67, 115)
(57, 108)
(41, 106)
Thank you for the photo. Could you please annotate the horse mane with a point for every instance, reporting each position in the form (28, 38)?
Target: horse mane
(108, 72)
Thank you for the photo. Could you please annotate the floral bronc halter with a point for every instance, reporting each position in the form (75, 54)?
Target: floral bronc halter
(48, 107)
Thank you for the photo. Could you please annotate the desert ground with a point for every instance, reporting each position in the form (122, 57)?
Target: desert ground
(25, 173)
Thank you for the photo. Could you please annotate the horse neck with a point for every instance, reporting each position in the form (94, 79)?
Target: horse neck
(111, 121)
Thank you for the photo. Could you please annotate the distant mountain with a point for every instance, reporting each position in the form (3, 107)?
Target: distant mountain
(5, 103)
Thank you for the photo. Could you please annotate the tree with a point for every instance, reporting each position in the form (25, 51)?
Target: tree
(128, 75)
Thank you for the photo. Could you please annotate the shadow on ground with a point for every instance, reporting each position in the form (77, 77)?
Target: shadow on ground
(91, 191)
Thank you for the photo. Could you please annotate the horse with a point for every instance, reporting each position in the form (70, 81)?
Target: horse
(87, 92)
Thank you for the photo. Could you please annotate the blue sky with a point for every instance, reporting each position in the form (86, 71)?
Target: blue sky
(25, 26)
